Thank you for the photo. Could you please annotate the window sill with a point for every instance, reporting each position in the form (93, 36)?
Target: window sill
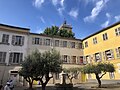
(4, 43)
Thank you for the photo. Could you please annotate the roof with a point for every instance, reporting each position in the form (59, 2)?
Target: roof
(55, 36)
(14, 27)
(102, 30)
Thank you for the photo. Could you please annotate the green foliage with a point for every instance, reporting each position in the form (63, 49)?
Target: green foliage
(54, 31)
(41, 65)
(98, 68)
(72, 72)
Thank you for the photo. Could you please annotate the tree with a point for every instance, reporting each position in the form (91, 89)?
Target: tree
(51, 63)
(41, 66)
(29, 66)
(72, 73)
(55, 31)
(100, 68)
(51, 31)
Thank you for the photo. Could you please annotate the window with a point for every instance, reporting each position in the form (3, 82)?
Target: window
(47, 42)
(64, 58)
(80, 45)
(17, 40)
(117, 31)
(109, 54)
(15, 57)
(57, 43)
(105, 37)
(37, 41)
(111, 75)
(81, 59)
(98, 57)
(74, 59)
(64, 43)
(5, 38)
(72, 44)
(88, 59)
(2, 57)
(118, 52)
(95, 40)
(86, 44)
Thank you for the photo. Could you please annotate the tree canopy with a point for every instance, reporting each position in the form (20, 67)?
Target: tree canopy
(41, 66)
(100, 68)
(55, 31)
(72, 73)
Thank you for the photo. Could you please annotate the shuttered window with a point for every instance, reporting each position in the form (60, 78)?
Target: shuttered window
(15, 57)
(117, 31)
(5, 38)
(2, 57)
(118, 52)
(109, 54)
(17, 40)
(98, 57)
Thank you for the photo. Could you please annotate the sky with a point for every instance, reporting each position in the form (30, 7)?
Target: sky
(85, 16)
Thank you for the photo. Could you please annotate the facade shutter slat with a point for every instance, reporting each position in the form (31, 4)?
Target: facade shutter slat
(11, 57)
(33, 40)
(22, 40)
(13, 39)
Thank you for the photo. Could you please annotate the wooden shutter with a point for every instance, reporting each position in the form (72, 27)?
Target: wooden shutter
(104, 56)
(21, 58)
(7, 38)
(61, 43)
(117, 53)
(11, 55)
(33, 40)
(69, 44)
(40, 41)
(22, 40)
(4, 56)
(44, 41)
(76, 45)
(13, 39)
(112, 53)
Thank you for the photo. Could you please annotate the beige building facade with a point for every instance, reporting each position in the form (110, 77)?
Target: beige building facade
(16, 43)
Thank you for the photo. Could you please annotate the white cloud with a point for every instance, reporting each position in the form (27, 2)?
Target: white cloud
(74, 13)
(96, 10)
(108, 15)
(106, 23)
(38, 3)
(42, 19)
(59, 4)
(56, 2)
(60, 10)
(117, 18)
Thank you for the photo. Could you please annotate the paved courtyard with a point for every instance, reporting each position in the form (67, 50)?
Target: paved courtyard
(85, 86)
(90, 85)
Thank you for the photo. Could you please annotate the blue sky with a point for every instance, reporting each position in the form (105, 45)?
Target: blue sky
(85, 16)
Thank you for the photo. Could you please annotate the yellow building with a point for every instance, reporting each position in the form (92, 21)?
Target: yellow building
(104, 46)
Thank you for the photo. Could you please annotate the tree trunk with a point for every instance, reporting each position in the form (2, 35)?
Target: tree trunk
(71, 81)
(98, 79)
(30, 85)
(43, 86)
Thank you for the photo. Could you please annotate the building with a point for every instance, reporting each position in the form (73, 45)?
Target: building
(13, 49)
(104, 46)
(17, 42)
